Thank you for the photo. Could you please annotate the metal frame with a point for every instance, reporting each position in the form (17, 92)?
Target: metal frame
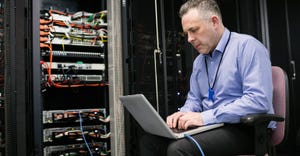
(115, 77)
(36, 84)
(18, 103)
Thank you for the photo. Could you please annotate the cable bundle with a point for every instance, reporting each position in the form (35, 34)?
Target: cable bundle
(62, 28)
(80, 28)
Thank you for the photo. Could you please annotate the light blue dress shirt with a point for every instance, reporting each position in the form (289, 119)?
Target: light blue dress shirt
(243, 84)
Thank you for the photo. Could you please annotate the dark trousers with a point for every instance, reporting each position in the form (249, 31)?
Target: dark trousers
(229, 140)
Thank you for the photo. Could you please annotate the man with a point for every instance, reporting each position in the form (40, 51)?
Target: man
(231, 78)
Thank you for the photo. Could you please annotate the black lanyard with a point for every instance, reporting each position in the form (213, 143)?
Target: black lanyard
(211, 91)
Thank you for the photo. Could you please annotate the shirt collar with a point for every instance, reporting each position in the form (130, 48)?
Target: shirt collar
(222, 43)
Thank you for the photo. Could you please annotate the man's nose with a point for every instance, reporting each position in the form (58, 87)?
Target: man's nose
(190, 38)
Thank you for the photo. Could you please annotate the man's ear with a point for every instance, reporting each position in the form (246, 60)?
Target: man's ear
(215, 21)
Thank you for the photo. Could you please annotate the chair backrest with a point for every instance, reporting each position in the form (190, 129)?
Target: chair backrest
(280, 103)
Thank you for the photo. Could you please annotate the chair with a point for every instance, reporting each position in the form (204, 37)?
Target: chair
(266, 139)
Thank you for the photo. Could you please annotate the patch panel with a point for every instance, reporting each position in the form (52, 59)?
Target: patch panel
(97, 148)
(78, 65)
(74, 134)
(62, 116)
(73, 54)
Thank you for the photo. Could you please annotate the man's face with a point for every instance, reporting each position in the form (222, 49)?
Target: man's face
(201, 32)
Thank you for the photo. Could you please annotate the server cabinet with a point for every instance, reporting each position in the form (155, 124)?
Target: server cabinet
(174, 62)
(17, 91)
(284, 39)
(2, 99)
(57, 80)
(74, 78)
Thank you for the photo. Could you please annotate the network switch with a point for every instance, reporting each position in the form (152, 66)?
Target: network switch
(70, 77)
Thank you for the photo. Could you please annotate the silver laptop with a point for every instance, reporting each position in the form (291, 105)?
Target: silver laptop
(143, 112)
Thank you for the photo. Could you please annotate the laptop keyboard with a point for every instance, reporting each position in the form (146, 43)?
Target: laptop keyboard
(176, 130)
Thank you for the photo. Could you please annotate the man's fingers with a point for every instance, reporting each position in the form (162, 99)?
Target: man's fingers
(172, 120)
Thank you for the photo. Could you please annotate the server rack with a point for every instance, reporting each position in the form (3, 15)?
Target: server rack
(2, 99)
(74, 78)
(284, 39)
(56, 80)
(57, 88)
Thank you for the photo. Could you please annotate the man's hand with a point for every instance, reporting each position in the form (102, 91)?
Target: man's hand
(183, 120)
(172, 120)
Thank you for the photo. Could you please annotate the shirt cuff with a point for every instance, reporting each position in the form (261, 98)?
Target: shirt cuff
(208, 117)
(184, 109)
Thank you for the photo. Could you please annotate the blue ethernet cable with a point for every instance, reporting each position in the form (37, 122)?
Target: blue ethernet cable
(82, 133)
(197, 144)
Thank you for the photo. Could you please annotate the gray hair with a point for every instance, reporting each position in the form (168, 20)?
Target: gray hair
(206, 8)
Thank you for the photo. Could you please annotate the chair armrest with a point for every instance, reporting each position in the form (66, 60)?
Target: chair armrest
(254, 119)
(260, 122)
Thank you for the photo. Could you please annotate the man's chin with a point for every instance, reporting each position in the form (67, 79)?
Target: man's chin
(202, 52)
